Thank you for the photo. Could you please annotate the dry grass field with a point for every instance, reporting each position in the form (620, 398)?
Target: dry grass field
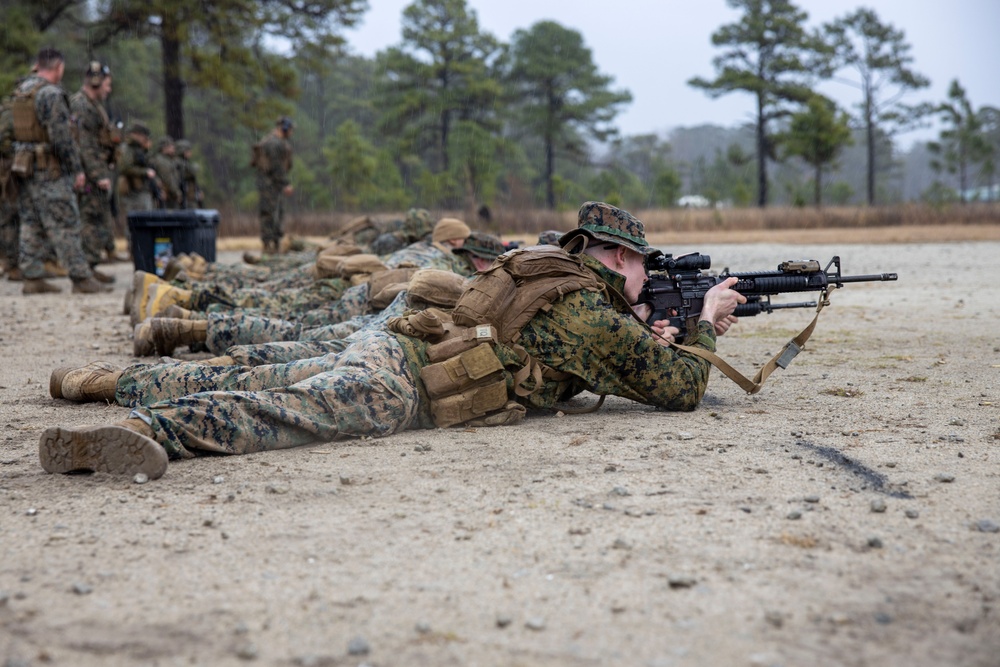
(890, 224)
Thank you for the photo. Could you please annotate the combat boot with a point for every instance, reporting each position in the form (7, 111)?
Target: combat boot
(14, 274)
(199, 265)
(141, 281)
(39, 286)
(126, 448)
(176, 264)
(224, 360)
(250, 258)
(97, 381)
(163, 295)
(102, 277)
(89, 286)
(142, 339)
(177, 312)
(55, 269)
(169, 333)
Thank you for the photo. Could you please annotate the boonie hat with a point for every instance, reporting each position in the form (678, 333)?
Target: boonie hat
(609, 224)
(482, 245)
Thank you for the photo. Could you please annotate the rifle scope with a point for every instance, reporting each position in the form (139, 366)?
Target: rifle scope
(681, 264)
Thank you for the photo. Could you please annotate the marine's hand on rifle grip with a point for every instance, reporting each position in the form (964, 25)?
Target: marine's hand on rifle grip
(664, 332)
(720, 302)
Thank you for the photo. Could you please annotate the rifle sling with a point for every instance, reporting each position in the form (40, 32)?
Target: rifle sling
(782, 359)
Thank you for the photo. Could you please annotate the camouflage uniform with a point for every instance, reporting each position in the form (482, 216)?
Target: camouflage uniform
(166, 172)
(316, 294)
(187, 177)
(416, 227)
(133, 182)
(372, 388)
(50, 218)
(273, 166)
(247, 328)
(9, 217)
(97, 153)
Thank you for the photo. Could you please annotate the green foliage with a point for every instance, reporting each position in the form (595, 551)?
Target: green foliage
(439, 75)
(352, 163)
(880, 56)
(559, 95)
(817, 135)
(963, 143)
(768, 54)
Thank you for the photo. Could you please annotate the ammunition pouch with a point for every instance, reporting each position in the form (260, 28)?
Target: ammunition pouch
(469, 383)
(23, 165)
(46, 161)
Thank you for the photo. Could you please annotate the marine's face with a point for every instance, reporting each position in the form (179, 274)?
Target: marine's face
(634, 271)
(104, 89)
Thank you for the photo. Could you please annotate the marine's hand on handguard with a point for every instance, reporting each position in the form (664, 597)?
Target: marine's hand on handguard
(720, 302)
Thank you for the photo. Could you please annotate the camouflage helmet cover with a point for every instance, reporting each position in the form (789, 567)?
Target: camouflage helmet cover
(138, 127)
(609, 224)
(482, 245)
(549, 237)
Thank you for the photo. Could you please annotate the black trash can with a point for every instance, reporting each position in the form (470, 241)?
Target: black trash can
(157, 236)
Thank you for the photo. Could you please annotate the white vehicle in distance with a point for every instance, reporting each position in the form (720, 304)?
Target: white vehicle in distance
(694, 201)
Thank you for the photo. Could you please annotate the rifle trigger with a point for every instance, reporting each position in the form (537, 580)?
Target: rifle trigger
(790, 352)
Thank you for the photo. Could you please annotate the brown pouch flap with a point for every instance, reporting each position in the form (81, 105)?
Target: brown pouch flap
(381, 279)
(425, 324)
(380, 300)
(24, 164)
(512, 413)
(461, 371)
(469, 404)
(462, 340)
(437, 287)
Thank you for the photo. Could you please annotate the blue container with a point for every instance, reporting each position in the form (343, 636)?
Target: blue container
(158, 236)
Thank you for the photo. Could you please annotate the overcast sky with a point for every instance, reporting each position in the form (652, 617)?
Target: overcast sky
(653, 47)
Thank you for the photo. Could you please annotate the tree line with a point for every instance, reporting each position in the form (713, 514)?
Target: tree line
(453, 117)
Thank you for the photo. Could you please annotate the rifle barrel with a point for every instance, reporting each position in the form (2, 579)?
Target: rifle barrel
(874, 277)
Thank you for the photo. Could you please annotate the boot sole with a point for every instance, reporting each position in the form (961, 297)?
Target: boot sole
(111, 449)
(56, 379)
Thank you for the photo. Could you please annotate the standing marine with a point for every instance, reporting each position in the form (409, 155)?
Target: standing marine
(164, 164)
(97, 153)
(48, 170)
(187, 176)
(136, 179)
(272, 158)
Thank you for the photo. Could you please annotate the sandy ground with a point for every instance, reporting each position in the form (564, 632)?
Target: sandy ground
(845, 515)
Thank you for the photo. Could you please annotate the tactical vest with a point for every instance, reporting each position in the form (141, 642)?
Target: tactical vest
(35, 150)
(27, 128)
(466, 382)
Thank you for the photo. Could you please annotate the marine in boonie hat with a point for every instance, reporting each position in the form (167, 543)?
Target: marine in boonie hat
(482, 245)
(608, 224)
(549, 237)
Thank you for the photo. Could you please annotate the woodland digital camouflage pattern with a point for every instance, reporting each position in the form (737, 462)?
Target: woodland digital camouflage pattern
(97, 154)
(50, 219)
(604, 222)
(166, 171)
(272, 177)
(135, 196)
(368, 389)
(372, 390)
